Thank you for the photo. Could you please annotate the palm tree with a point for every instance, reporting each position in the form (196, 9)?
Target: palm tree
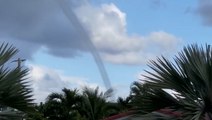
(95, 104)
(146, 100)
(14, 86)
(124, 104)
(183, 85)
(62, 106)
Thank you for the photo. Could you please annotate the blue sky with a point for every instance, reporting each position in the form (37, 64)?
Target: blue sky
(52, 36)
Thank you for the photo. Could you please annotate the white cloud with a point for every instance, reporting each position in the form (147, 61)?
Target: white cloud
(163, 39)
(125, 58)
(108, 33)
(46, 80)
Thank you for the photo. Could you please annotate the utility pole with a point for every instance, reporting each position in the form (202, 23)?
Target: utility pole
(19, 61)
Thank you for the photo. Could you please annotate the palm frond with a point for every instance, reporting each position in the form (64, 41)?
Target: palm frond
(189, 75)
(6, 53)
(15, 91)
(94, 103)
(148, 100)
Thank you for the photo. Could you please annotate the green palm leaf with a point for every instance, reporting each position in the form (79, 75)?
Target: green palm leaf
(14, 86)
(95, 105)
(189, 75)
(62, 106)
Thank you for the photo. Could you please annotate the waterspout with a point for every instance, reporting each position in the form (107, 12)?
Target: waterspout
(68, 11)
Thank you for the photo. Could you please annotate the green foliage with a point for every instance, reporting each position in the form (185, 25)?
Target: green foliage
(147, 99)
(62, 106)
(95, 105)
(124, 104)
(91, 104)
(189, 76)
(14, 87)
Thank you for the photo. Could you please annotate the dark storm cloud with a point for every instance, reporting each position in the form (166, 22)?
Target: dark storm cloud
(32, 24)
(51, 24)
(204, 9)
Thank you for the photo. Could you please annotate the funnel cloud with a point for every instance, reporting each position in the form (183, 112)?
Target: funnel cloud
(74, 20)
